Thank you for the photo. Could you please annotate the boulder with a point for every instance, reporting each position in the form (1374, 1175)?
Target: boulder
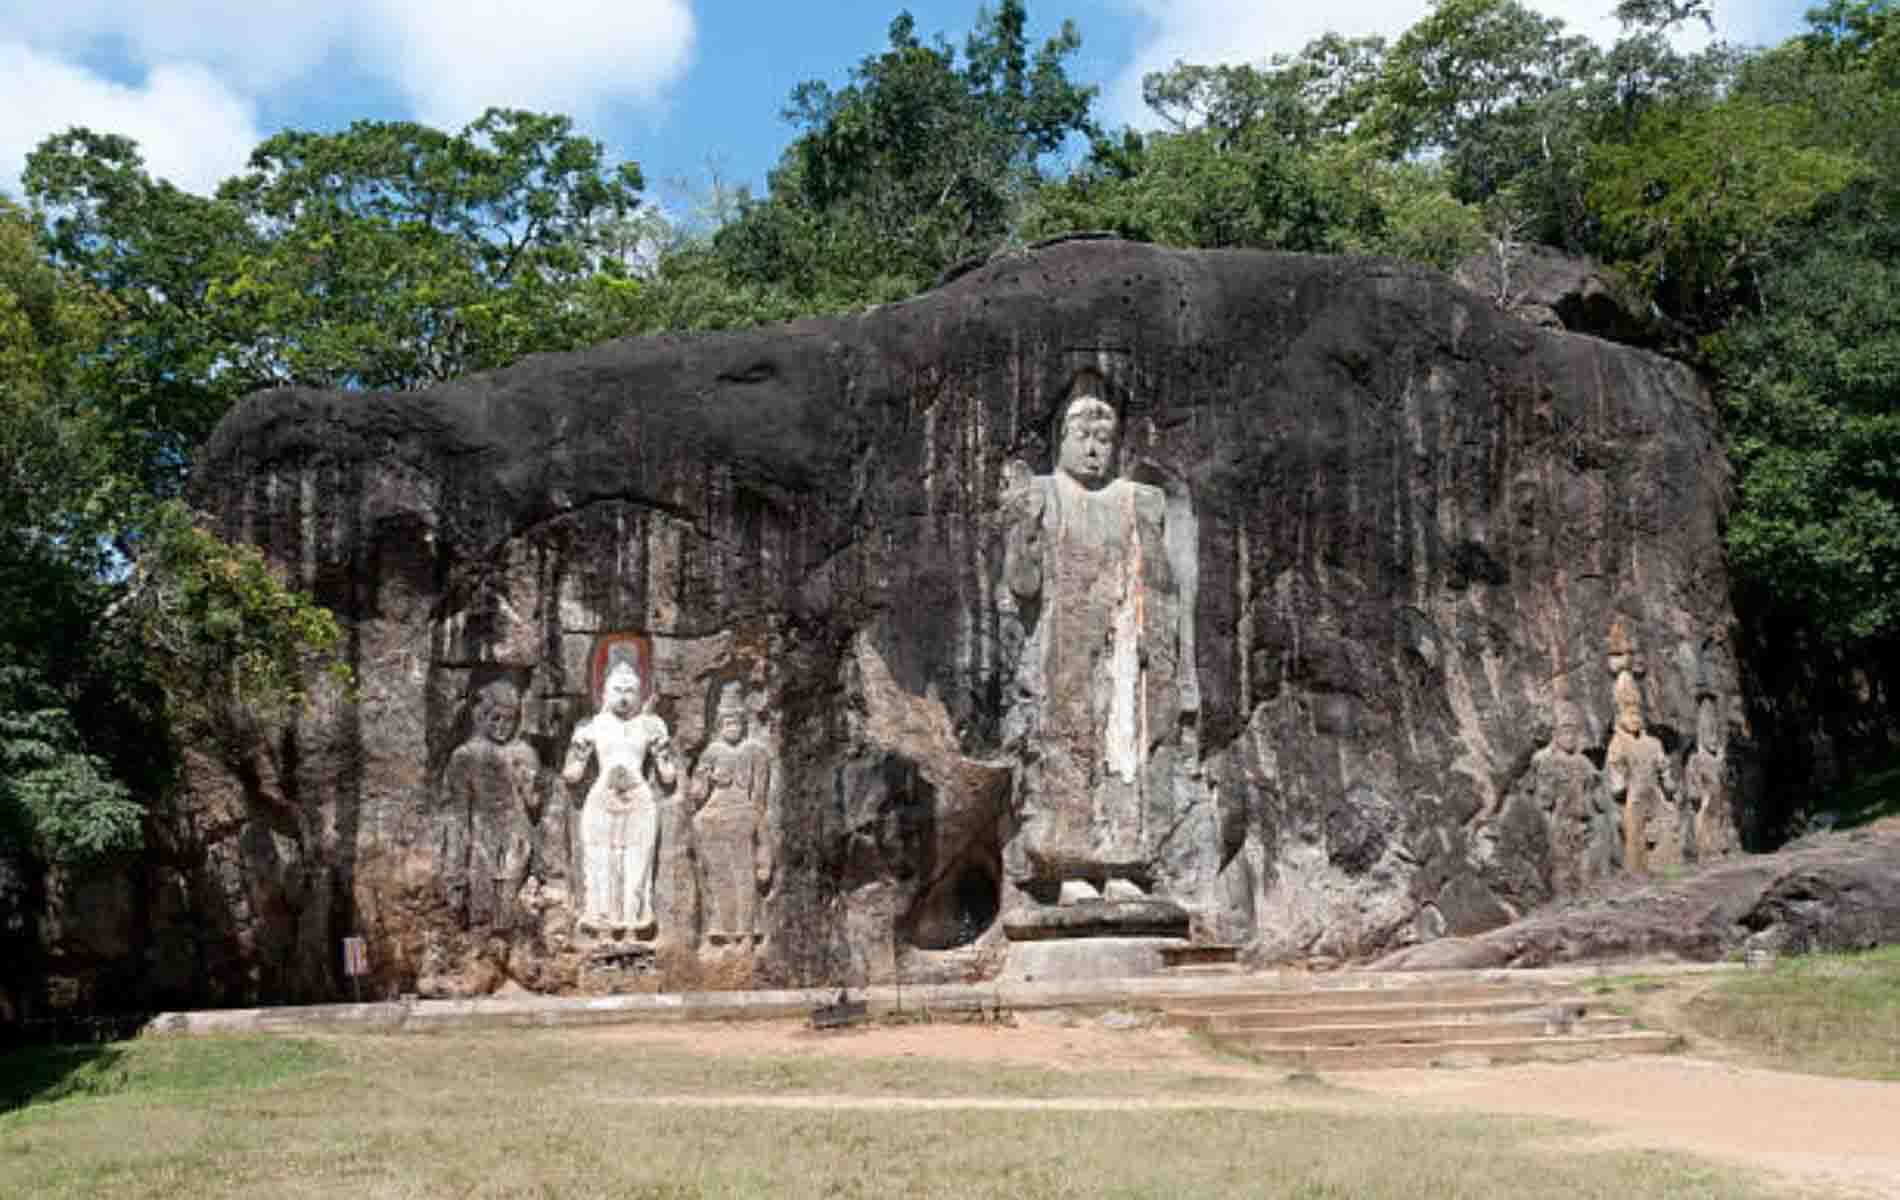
(1367, 544)
(1547, 287)
(1827, 892)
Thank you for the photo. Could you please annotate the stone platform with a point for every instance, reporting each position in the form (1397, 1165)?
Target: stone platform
(1093, 939)
(1121, 919)
(1177, 995)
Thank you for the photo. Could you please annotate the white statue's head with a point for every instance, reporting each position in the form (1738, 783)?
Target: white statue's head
(621, 693)
(498, 712)
(731, 713)
(1089, 431)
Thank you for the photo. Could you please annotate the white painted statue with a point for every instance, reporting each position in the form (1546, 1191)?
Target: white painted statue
(620, 817)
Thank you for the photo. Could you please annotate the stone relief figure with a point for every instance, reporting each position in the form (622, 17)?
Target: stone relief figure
(1706, 786)
(731, 794)
(1105, 685)
(620, 815)
(1569, 791)
(490, 804)
(1641, 779)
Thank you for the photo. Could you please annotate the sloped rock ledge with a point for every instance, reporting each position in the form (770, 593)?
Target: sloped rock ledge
(1827, 892)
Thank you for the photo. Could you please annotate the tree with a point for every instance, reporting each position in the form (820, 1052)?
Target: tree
(920, 161)
(97, 649)
(1809, 365)
(1699, 200)
(390, 255)
(397, 256)
(1321, 93)
(1278, 156)
(1811, 391)
(59, 500)
(1469, 81)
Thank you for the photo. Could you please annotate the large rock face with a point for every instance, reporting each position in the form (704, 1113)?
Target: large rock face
(1385, 617)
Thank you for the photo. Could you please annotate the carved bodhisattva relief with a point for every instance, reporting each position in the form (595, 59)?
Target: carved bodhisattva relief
(731, 793)
(490, 800)
(1569, 789)
(1105, 684)
(620, 815)
(1643, 782)
(1706, 785)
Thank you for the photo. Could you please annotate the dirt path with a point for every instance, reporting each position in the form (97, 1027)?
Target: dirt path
(1843, 1134)
(1840, 1135)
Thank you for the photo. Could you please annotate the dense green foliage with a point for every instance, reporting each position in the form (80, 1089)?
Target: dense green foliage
(1750, 196)
(116, 611)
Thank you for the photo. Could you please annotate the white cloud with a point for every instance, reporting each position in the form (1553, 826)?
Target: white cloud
(192, 129)
(201, 61)
(254, 44)
(454, 58)
(1243, 31)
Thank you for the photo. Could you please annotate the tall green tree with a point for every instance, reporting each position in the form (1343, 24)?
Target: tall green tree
(389, 255)
(1700, 200)
(1276, 156)
(60, 502)
(923, 158)
(1470, 81)
(1809, 359)
(116, 611)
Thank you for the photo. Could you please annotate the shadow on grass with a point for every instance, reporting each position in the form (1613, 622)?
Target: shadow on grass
(41, 1074)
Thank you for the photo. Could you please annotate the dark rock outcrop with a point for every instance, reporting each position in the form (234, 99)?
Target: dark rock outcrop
(1547, 287)
(1424, 532)
(1828, 892)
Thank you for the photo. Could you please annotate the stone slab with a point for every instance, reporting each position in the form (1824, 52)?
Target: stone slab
(1149, 918)
(1476, 1052)
(1063, 959)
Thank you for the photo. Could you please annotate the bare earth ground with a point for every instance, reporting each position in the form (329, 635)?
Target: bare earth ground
(1841, 1135)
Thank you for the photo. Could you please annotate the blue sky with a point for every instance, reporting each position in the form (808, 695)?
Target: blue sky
(677, 85)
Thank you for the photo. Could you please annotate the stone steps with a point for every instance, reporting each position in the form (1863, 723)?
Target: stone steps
(1461, 1053)
(1425, 1031)
(1349, 992)
(1347, 1010)
(1353, 1023)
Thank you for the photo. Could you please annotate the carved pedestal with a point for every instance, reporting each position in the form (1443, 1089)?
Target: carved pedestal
(1093, 939)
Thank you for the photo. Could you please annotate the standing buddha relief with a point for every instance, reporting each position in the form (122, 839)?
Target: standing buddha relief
(731, 793)
(1105, 694)
(620, 815)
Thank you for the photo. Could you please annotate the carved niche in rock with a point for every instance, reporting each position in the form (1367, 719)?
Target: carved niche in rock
(632, 751)
(490, 801)
(731, 792)
(1102, 714)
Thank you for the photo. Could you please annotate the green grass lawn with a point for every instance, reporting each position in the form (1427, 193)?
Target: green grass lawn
(1831, 1014)
(565, 1113)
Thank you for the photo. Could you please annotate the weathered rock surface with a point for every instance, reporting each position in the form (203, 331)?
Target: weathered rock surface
(1827, 892)
(1422, 536)
(1547, 287)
